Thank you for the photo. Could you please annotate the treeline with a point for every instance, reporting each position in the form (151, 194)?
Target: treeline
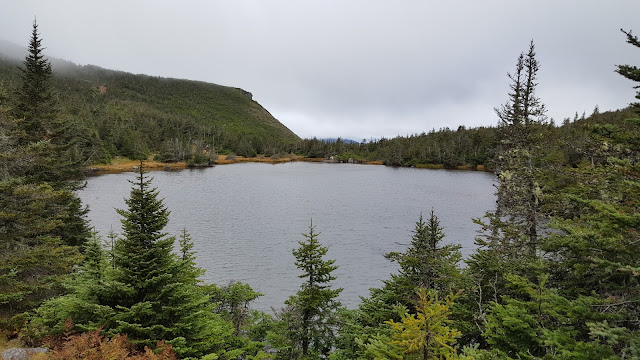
(555, 275)
(463, 147)
(450, 148)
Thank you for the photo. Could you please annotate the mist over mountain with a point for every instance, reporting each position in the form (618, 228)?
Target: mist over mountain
(346, 141)
(11, 51)
(14, 52)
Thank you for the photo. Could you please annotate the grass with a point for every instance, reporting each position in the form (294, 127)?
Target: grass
(430, 166)
(374, 162)
(121, 164)
(9, 344)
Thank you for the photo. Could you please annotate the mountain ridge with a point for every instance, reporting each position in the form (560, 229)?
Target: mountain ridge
(135, 115)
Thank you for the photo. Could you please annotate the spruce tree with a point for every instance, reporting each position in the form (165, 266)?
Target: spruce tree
(509, 238)
(426, 263)
(34, 149)
(143, 254)
(35, 99)
(519, 193)
(163, 301)
(629, 71)
(143, 290)
(308, 328)
(40, 130)
(41, 220)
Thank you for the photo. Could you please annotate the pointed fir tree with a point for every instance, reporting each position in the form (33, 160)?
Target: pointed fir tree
(110, 245)
(39, 130)
(163, 301)
(509, 238)
(511, 112)
(36, 219)
(519, 193)
(186, 260)
(144, 253)
(509, 235)
(33, 152)
(145, 291)
(36, 104)
(308, 328)
(426, 263)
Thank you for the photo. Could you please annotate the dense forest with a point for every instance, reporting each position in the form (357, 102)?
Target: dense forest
(111, 113)
(555, 275)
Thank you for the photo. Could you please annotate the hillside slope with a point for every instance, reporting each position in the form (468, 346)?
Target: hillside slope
(115, 113)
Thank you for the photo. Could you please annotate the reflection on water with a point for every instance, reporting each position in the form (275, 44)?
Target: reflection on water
(246, 218)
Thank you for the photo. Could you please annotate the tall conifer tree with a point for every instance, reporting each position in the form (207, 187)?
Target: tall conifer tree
(39, 214)
(163, 301)
(36, 103)
(308, 328)
(519, 194)
(146, 291)
(509, 242)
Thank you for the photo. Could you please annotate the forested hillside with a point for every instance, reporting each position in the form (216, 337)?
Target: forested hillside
(112, 113)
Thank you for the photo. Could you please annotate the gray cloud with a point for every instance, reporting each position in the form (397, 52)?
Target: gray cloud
(357, 69)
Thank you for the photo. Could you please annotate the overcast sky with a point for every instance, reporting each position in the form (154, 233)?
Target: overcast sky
(355, 69)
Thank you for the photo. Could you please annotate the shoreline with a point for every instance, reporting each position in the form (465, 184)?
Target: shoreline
(120, 165)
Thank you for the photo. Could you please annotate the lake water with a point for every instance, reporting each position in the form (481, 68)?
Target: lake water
(245, 219)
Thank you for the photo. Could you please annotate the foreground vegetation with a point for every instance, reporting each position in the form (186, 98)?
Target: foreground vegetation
(555, 276)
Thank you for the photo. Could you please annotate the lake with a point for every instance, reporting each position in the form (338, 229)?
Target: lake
(245, 219)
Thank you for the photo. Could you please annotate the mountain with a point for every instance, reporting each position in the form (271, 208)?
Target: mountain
(346, 141)
(114, 113)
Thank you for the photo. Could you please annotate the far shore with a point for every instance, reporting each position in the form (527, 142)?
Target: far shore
(120, 165)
